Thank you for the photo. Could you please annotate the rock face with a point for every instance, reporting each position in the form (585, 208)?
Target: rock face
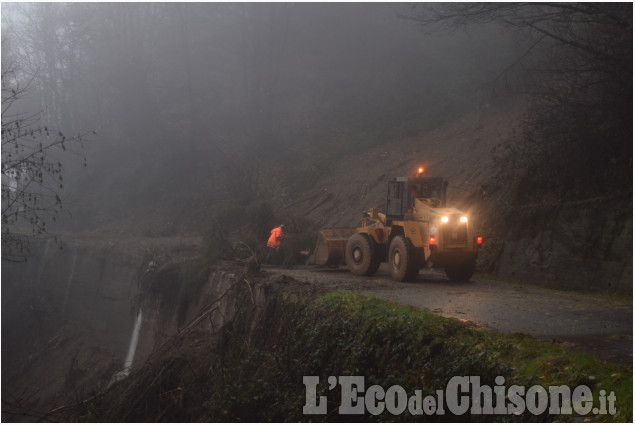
(572, 247)
(78, 313)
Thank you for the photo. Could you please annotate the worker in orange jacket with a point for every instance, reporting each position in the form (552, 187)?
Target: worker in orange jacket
(273, 244)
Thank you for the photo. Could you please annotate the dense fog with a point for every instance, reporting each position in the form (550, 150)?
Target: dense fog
(214, 95)
(149, 149)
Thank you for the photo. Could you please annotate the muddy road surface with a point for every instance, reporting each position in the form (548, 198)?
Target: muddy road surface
(598, 323)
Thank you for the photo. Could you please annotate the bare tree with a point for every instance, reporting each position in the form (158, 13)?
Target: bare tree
(576, 140)
(32, 170)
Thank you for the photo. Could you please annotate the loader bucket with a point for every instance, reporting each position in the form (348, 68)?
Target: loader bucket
(330, 247)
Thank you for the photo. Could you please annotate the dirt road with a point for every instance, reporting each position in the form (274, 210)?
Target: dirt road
(600, 324)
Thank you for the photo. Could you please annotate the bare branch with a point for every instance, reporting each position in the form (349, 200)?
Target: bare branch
(32, 174)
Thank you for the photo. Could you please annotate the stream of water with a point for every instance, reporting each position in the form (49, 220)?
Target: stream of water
(134, 341)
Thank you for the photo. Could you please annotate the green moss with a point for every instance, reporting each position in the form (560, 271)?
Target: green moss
(343, 334)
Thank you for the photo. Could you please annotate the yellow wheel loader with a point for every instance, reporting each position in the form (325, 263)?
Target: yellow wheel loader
(418, 230)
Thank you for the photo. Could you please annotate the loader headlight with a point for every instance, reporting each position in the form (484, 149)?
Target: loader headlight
(444, 219)
(463, 219)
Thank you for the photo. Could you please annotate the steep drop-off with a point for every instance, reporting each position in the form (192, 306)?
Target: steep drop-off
(246, 356)
(80, 312)
(127, 330)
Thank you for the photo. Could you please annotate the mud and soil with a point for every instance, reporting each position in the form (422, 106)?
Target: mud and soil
(598, 323)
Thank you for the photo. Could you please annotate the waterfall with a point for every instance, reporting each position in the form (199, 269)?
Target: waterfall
(70, 282)
(134, 340)
(132, 348)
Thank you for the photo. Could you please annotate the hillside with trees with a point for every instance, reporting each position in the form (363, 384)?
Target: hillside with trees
(148, 149)
(200, 113)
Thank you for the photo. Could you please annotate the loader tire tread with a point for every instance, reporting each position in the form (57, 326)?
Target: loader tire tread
(360, 255)
(402, 260)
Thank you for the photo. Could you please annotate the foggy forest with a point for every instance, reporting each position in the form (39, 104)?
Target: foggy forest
(208, 103)
(134, 133)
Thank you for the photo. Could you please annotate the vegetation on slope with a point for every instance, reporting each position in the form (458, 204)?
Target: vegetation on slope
(253, 370)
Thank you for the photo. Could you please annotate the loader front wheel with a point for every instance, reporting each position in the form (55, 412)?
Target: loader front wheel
(402, 260)
(360, 255)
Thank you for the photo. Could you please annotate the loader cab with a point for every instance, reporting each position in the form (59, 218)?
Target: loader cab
(397, 199)
(402, 192)
(432, 188)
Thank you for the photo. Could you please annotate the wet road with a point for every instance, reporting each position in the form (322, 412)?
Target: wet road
(601, 324)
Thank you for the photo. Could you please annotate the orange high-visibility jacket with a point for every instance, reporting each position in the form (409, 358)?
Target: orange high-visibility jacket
(276, 237)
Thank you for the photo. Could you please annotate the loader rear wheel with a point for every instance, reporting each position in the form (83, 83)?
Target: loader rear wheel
(360, 255)
(461, 272)
(402, 260)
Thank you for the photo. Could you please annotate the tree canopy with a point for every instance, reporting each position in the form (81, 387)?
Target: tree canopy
(576, 140)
